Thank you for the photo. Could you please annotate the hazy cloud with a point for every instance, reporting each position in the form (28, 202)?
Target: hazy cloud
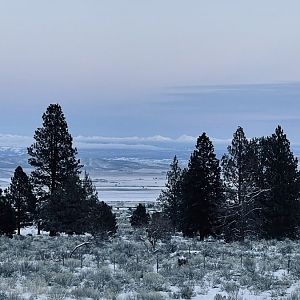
(102, 142)
(15, 141)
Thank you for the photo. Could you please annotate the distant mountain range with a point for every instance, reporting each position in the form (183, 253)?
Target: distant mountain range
(100, 161)
(106, 159)
(97, 161)
(119, 175)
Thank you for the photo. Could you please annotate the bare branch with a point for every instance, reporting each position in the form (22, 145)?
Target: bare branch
(78, 246)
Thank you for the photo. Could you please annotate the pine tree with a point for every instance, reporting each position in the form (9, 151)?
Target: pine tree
(21, 197)
(7, 216)
(239, 168)
(281, 204)
(202, 191)
(140, 217)
(52, 155)
(170, 198)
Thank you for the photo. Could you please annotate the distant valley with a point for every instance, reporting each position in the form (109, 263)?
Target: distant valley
(130, 175)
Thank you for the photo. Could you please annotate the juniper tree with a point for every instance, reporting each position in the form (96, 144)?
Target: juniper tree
(159, 228)
(103, 223)
(202, 191)
(170, 198)
(140, 217)
(21, 197)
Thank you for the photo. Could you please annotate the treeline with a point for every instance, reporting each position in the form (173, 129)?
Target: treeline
(54, 196)
(253, 191)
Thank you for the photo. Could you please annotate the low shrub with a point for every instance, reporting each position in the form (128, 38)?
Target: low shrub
(186, 292)
(154, 282)
(84, 292)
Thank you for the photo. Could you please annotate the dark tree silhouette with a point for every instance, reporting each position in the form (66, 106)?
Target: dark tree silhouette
(240, 172)
(140, 217)
(52, 155)
(7, 216)
(159, 228)
(281, 207)
(202, 191)
(66, 210)
(103, 223)
(99, 219)
(21, 197)
(89, 189)
(170, 198)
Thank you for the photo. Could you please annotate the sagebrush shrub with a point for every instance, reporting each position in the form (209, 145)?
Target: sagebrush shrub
(186, 292)
(154, 282)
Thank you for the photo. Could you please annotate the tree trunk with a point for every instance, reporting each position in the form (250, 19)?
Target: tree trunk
(39, 227)
(18, 222)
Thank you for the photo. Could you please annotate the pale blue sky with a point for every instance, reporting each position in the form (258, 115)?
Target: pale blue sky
(125, 68)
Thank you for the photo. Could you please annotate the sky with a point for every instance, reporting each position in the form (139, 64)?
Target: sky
(148, 69)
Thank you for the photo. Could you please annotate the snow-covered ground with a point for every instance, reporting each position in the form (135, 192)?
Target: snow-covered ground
(40, 267)
(125, 268)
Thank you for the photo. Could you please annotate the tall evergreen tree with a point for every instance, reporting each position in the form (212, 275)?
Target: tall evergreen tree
(7, 216)
(21, 197)
(239, 168)
(281, 204)
(202, 191)
(170, 198)
(52, 155)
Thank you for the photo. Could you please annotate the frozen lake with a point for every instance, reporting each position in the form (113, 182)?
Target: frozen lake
(131, 187)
